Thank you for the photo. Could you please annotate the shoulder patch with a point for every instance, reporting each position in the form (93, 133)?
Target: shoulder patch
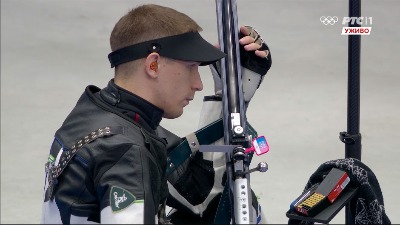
(120, 198)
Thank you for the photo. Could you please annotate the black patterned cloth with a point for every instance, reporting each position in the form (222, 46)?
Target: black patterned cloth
(367, 205)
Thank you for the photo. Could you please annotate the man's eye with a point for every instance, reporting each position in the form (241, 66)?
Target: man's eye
(192, 65)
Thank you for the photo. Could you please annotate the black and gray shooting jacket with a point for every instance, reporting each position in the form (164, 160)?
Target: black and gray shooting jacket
(107, 162)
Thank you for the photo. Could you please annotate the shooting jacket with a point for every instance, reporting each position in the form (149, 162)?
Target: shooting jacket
(107, 162)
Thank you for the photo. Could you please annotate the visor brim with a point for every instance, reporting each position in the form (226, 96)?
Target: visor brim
(187, 47)
(196, 49)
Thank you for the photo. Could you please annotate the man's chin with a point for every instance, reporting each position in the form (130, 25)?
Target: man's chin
(173, 115)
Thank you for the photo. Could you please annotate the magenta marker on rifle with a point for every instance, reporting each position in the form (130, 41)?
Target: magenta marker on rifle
(259, 145)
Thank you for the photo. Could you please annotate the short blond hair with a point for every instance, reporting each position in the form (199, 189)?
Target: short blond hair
(148, 22)
(144, 23)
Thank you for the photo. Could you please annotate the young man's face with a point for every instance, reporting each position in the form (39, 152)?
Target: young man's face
(178, 82)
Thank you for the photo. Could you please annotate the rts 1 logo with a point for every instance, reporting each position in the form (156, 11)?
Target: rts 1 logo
(357, 20)
(363, 28)
(355, 25)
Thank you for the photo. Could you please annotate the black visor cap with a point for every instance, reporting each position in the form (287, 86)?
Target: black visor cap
(187, 47)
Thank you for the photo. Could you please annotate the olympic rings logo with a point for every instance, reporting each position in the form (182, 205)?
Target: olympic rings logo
(329, 20)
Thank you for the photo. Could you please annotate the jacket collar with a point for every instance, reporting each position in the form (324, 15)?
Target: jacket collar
(132, 105)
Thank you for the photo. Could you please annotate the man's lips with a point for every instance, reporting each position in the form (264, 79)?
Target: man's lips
(188, 100)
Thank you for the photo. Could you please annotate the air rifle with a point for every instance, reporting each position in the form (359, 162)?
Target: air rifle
(237, 140)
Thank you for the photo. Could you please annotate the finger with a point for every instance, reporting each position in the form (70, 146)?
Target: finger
(245, 30)
(251, 36)
(246, 40)
(262, 54)
(252, 47)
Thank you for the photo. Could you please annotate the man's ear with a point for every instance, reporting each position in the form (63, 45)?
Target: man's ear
(151, 64)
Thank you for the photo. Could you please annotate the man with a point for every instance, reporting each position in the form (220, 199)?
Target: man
(107, 163)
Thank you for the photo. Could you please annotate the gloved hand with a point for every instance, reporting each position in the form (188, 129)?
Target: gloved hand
(255, 58)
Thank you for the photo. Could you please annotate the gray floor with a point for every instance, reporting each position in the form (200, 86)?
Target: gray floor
(50, 50)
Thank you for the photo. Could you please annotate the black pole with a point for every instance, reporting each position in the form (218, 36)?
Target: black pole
(352, 138)
(353, 150)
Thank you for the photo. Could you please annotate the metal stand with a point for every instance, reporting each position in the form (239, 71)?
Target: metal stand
(352, 138)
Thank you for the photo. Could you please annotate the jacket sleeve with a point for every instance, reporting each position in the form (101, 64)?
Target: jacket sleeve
(123, 188)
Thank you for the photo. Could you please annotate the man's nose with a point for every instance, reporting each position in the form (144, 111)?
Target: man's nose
(197, 83)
